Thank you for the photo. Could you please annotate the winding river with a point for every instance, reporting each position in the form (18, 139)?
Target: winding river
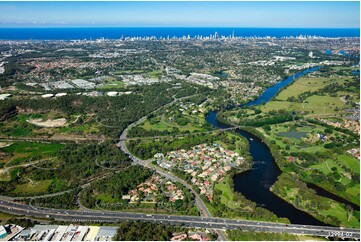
(255, 183)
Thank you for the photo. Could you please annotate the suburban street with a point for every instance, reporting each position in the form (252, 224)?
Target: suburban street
(146, 163)
(218, 224)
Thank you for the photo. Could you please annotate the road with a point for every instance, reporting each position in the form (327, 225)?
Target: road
(146, 163)
(179, 135)
(218, 224)
(204, 221)
(222, 224)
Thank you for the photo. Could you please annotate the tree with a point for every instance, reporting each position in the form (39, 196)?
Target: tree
(267, 127)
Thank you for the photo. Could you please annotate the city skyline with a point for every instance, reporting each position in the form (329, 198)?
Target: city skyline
(181, 14)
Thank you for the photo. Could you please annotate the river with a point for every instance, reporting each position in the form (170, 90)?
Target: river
(255, 183)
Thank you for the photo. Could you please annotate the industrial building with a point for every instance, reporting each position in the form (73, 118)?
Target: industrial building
(67, 233)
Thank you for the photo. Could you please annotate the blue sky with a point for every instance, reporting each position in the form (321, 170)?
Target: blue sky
(182, 14)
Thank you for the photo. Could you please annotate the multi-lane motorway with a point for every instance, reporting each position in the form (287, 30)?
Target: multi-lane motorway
(189, 221)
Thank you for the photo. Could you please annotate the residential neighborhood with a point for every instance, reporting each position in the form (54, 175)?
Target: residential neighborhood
(206, 164)
(152, 189)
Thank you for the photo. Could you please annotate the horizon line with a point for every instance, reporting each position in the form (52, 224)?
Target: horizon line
(236, 27)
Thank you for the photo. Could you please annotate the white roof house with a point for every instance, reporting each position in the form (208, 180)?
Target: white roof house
(47, 95)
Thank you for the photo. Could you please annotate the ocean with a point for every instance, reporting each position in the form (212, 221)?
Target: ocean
(118, 32)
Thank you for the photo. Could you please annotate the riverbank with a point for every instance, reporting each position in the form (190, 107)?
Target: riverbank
(291, 189)
(324, 215)
(231, 204)
(267, 127)
(254, 184)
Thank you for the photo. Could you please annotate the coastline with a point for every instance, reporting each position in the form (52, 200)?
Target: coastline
(115, 33)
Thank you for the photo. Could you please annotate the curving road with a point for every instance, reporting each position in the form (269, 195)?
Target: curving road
(146, 163)
(204, 221)
(214, 223)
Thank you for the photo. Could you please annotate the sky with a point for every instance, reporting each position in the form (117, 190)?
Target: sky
(181, 14)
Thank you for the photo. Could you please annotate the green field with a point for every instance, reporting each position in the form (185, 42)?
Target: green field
(161, 126)
(105, 198)
(164, 124)
(84, 129)
(155, 74)
(297, 193)
(227, 197)
(238, 235)
(312, 145)
(129, 72)
(306, 144)
(112, 85)
(19, 126)
(339, 212)
(315, 105)
(349, 162)
(305, 84)
(314, 159)
(32, 188)
(22, 151)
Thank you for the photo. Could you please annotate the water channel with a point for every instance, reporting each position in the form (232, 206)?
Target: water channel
(255, 183)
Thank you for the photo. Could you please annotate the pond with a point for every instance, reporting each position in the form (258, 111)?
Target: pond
(293, 134)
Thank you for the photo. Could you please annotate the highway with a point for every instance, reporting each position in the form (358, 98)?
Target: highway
(218, 224)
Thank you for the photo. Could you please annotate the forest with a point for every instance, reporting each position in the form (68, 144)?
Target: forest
(141, 231)
(113, 114)
(115, 186)
(74, 164)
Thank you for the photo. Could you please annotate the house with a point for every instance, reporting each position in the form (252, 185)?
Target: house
(159, 156)
(3, 232)
(4, 96)
(179, 237)
(47, 95)
(291, 158)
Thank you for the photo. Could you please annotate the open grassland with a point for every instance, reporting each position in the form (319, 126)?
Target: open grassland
(84, 129)
(351, 68)
(306, 84)
(130, 72)
(32, 188)
(338, 211)
(294, 191)
(309, 142)
(237, 235)
(349, 162)
(194, 124)
(315, 106)
(23, 151)
(312, 96)
(161, 126)
(227, 196)
(111, 85)
(300, 142)
(155, 74)
(327, 167)
(332, 166)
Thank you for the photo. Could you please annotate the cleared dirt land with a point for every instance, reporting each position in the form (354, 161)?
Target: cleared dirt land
(48, 123)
